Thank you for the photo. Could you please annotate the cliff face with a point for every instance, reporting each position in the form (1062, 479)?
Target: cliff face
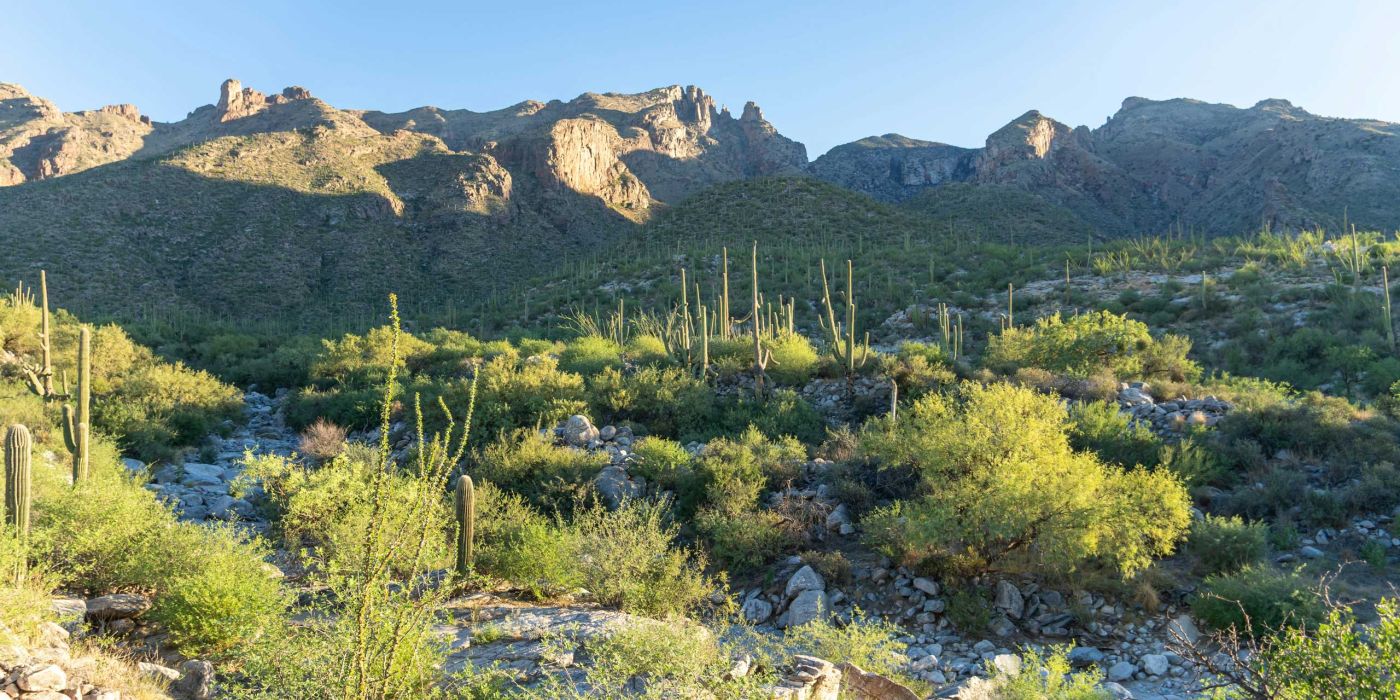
(630, 151)
(1158, 164)
(39, 141)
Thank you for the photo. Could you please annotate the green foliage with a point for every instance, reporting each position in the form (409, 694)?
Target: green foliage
(660, 461)
(590, 354)
(1099, 427)
(1046, 676)
(1086, 343)
(160, 406)
(782, 413)
(743, 541)
(518, 544)
(550, 477)
(644, 349)
(872, 644)
(668, 401)
(1019, 497)
(794, 359)
(628, 558)
(1259, 600)
(1195, 463)
(733, 472)
(1338, 660)
(1226, 545)
(528, 393)
(1316, 425)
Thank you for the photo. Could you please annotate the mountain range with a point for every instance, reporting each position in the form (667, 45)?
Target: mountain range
(264, 203)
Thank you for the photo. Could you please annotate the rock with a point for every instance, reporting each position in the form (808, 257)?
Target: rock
(1155, 664)
(865, 685)
(1117, 691)
(1122, 671)
(838, 517)
(1082, 657)
(607, 433)
(196, 680)
(926, 585)
(1183, 629)
(53, 636)
(1310, 552)
(809, 605)
(806, 579)
(1009, 599)
(579, 431)
(1002, 627)
(810, 679)
(135, 466)
(117, 606)
(158, 672)
(41, 678)
(757, 610)
(197, 473)
(614, 486)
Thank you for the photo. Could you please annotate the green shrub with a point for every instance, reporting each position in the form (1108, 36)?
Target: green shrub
(1046, 676)
(1017, 497)
(628, 558)
(794, 359)
(221, 596)
(1099, 427)
(872, 644)
(1225, 545)
(1194, 462)
(590, 354)
(660, 461)
(519, 545)
(733, 472)
(782, 413)
(668, 401)
(743, 541)
(1338, 659)
(1259, 600)
(522, 393)
(647, 350)
(1086, 343)
(550, 477)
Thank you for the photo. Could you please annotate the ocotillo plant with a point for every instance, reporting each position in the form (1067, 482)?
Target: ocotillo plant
(466, 523)
(761, 355)
(843, 337)
(77, 423)
(19, 446)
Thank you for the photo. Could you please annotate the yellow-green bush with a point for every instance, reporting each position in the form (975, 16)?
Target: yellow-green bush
(1019, 497)
(1085, 343)
(589, 354)
(794, 359)
(549, 477)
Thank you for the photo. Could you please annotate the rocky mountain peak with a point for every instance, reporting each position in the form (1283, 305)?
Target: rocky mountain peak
(237, 102)
(1030, 136)
(752, 113)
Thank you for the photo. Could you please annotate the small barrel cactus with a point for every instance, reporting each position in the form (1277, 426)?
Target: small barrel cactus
(19, 447)
(466, 523)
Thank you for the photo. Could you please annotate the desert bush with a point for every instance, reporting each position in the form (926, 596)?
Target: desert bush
(647, 350)
(1099, 427)
(522, 393)
(872, 644)
(1019, 496)
(733, 472)
(1085, 343)
(743, 541)
(518, 544)
(668, 401)
(1194, 462)
(1224, 545)
(794, 359)
(550, 477)
(782, 413)
(1042, 675)
(628, 558)
(660, 461)
(590, 354)
(1259, 600)
(322, 440)
(1338, 659)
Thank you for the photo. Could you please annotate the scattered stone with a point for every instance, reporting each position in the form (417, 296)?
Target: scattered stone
(806, 579)
(757, 610)
(1155, 664)
(809, 605)
(1009, 599)
(118, 606)
(865, 685)
(1122, 671)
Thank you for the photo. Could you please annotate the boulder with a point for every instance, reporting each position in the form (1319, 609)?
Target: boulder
(1121, 671)
(810, 679)
(926, 585)
(1009, 599)
(1082, 657)
(1183, 629)
(757, 610)
(47, 677)
(865, 685)
(196, 680)
(118, 606)
(1155, 664)
(806, 607)
(579, 431)
(806, 579)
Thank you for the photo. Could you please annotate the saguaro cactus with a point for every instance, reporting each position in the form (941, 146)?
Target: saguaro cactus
(19, 446)
(41, 378)
(761, 355)
(77, 422)
(466, 523)
(843, 336)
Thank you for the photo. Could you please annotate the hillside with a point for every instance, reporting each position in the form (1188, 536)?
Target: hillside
(1156, 165)
(280, 207)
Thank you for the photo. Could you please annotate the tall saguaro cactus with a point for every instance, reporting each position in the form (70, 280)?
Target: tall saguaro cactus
(843, 336)
(466, 523)
(761, 355)
(41, 378)
(77, 422)
(19, 447)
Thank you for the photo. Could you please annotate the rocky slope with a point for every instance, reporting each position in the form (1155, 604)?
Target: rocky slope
(1158, 164)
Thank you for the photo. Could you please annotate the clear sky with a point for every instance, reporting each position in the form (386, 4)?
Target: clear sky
(824, 72)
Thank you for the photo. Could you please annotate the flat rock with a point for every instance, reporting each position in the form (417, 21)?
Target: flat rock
(118, 606)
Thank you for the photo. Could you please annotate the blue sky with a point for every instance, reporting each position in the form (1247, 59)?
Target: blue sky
(824, 72)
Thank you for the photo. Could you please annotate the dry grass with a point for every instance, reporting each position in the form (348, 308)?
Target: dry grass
(322, 440)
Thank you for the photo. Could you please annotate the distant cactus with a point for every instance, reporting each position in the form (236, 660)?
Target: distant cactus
(19, 447)
(762, 355)
(466, 523)
(40, 378)
(77, 422)
(843, 336)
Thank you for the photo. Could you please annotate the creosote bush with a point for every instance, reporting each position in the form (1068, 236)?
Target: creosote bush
(1259, 600)
(1224, 545)
(1086, 343)
(1022, 498)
